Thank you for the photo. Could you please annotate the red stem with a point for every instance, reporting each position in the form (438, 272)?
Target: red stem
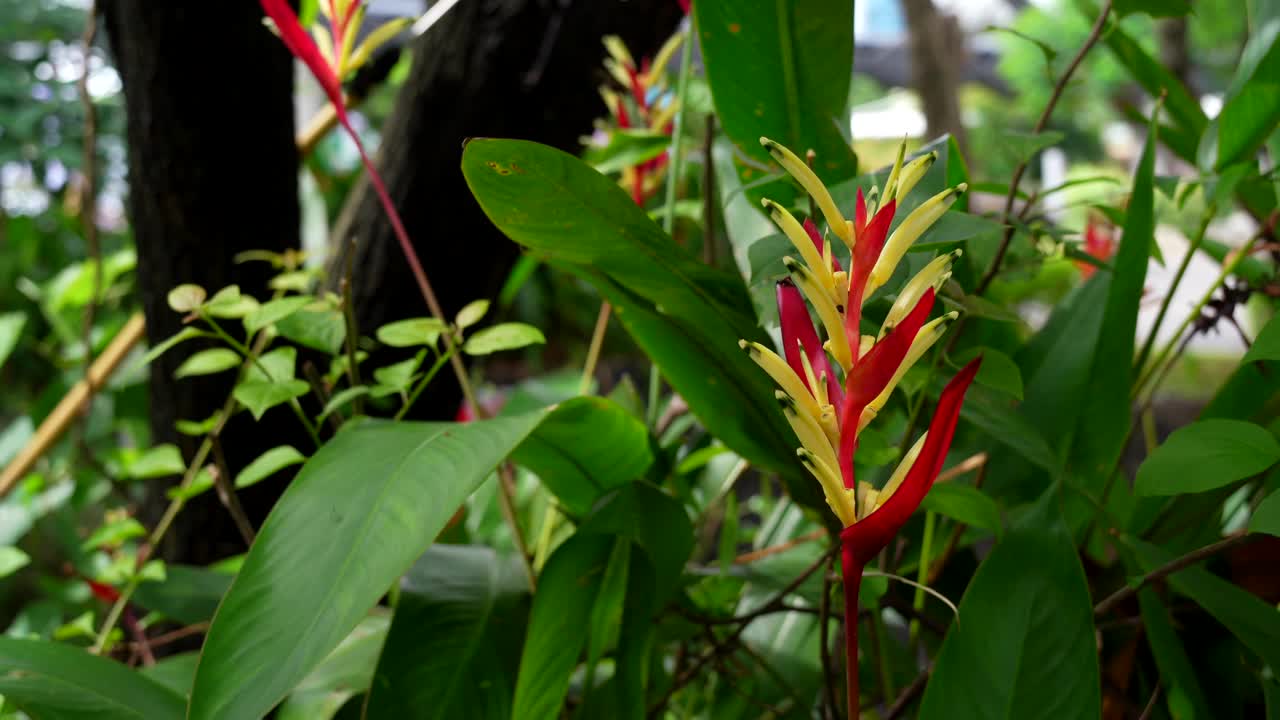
(410, 255)
(852, 573)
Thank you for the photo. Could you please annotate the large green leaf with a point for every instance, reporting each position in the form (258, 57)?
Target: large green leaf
(455, 638)
(1157, 80)
(578, 472)
(1104, 425)
(187, 594)
(345, 673)
(686, 316)
(567, 590)
(1176, 671)
(1254, 622)
(1266, 519)
(1024, 646)
(1251, 109)
(357, 515)
(61, 682)
(1205, 455)
(781, 69)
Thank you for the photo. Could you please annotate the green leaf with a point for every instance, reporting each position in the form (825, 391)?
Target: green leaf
(11, 324)
(331, 547)
(1177, 675)
(686, 316)
(627, 148)
(279, 364)
(323, 330)
(1019, 147)
(229, 303)
(1154, 8)
(1206, 455)
(342, 398)
(399, 376)
(274, 311)
(53, 680)
(12, 560)
(186, 594)
(472, 313)
(615, 452)
(567, 590)
(208, 362)
(653, 520)
(411, 333)
(1267, 345)
(1157, 80)
(1251, 108)
(186, 298)
(267, 464)
(963, 503)
(259, 396)
(174, 672)
(1266, 519)
(504, 336)
(347, 671)
(605, 621)
(1255, 623)
(181, 336)
(781, 70)
(1025, 636)
(159, 461)
(202, 484)
(115, 532)
(458, 627)
(994, 414)
(1104, 426)
(998, 371)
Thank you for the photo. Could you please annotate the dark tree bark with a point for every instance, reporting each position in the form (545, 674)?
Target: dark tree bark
(500, 68)
(212, 172)
(937, 62)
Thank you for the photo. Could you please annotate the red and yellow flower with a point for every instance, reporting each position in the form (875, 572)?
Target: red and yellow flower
(830, 391)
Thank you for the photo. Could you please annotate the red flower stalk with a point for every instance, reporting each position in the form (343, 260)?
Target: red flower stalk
(827, 417)
(329, 67)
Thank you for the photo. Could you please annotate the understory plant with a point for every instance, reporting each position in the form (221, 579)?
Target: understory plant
(812, 348)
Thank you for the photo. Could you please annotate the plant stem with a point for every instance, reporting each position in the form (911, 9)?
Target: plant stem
(922, 573)
(1018, 172)
(1167, 569)
(1228, 268)
(415, 265)
(422, 385)
(1196, 241)
(852, 576)
(593, 350)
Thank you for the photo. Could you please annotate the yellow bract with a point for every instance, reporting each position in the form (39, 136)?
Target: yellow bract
(811, 414)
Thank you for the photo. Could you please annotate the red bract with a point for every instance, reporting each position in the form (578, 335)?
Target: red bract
(798, 330)
(866, 538)
(303, 47)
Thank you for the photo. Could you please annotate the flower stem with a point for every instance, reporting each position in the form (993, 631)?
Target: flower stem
(852, 575)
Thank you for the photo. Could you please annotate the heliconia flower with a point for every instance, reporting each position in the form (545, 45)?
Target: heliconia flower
(828, 414)
(331, 54)
(1098, 242)
(641, 101)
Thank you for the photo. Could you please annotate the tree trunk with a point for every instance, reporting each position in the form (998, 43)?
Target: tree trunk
(937, 60)
(501, 68)
(212, 172)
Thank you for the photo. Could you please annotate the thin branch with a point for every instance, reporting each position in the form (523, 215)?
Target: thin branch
(762, 553)
(1167, 569)
(1151, 704)
(908, 694)
(226, 492)
(824, 614)
(1058, 89)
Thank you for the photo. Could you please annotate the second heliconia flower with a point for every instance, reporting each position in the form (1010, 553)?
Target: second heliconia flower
(830, 390)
